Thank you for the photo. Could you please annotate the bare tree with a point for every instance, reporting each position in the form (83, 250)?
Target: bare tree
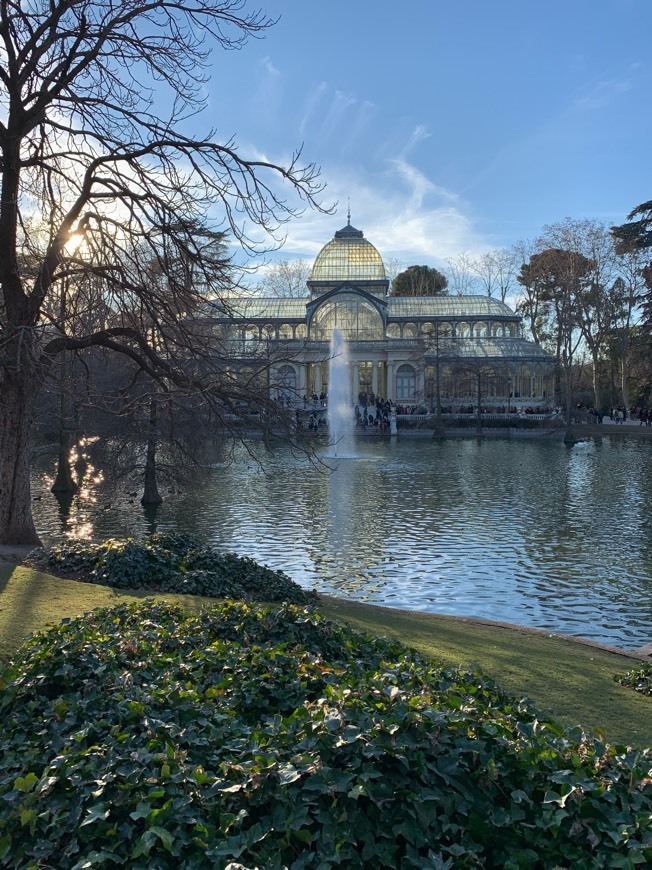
(485, 270)
(392, 268)
(506, 262)
(496, 271)
(285, 279)
(630, 265)
(89, 147)
(462, 280)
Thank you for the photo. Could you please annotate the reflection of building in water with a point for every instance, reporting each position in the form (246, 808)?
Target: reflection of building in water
(399, 347)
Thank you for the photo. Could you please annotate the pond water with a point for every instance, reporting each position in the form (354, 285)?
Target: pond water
(529, 532)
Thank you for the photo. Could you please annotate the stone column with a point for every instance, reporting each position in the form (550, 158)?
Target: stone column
(391, 386)
(421, 383)
(374, 377)
(356, 381)
(303, 387)
(317, 378)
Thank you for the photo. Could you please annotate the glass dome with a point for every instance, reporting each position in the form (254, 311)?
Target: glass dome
(348, 257)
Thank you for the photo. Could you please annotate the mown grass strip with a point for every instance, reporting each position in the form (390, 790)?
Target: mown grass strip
(572, 681)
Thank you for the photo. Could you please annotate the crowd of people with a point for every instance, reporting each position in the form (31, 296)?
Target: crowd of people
(621, 415)
(373, 412)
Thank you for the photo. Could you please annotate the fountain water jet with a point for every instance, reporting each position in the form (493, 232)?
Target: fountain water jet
(340, 416)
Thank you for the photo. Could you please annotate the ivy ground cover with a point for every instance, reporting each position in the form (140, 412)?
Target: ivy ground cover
(170, 562)
(268, 737)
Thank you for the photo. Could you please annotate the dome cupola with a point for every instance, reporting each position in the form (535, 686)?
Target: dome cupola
(348, 257)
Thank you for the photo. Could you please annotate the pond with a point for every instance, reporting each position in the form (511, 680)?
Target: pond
(529, 532)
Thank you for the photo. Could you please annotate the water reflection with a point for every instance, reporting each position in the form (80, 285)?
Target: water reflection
(534, 533)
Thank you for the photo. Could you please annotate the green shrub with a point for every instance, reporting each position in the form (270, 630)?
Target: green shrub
(639, 679)
(171, 563)
(145, 737)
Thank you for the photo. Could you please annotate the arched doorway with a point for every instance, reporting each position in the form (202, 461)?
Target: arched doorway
(406, 383)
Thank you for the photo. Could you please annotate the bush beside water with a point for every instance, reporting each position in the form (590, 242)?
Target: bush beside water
(171, 563)
(143, 736)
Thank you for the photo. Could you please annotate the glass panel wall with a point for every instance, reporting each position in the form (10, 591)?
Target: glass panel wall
(356, 319)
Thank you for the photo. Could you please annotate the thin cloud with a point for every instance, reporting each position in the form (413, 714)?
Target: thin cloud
(358, 125)
(419, 134)
(402, 212)
(340, 104)
(602, 93)
(267, 64)
(311, 105)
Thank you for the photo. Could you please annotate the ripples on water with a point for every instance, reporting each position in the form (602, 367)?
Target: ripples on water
(529, 532)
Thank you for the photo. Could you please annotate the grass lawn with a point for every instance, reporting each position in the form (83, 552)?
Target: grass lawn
(570, 680)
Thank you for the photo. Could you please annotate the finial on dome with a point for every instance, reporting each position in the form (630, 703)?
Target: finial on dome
(348, 213)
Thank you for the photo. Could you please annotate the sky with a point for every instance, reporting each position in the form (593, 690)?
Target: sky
(450, 127)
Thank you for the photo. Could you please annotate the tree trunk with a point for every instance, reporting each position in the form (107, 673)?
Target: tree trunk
(623, 382)
(557, 390)
(596, 379)
(16, 522)
(624, 358)
(569, 437)
(64, 482)
(151, 495)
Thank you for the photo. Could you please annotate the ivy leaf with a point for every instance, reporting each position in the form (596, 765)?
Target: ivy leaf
(164, 836)
(25, 783)
(97, 813)
(142, 811)
(288, 773)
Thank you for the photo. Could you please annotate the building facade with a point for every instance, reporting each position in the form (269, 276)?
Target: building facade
(451, 350)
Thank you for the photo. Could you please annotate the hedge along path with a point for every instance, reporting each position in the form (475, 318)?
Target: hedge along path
(570, 680)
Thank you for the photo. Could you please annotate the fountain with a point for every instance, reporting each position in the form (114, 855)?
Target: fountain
(340, 415)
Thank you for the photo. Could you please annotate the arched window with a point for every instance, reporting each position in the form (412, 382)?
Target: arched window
(301, 331)
(285, 331)
(409, 330)
(480, 330)
(356, 319)
(463, 330)
(250, 339)
(393, 330)
(406, 382)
